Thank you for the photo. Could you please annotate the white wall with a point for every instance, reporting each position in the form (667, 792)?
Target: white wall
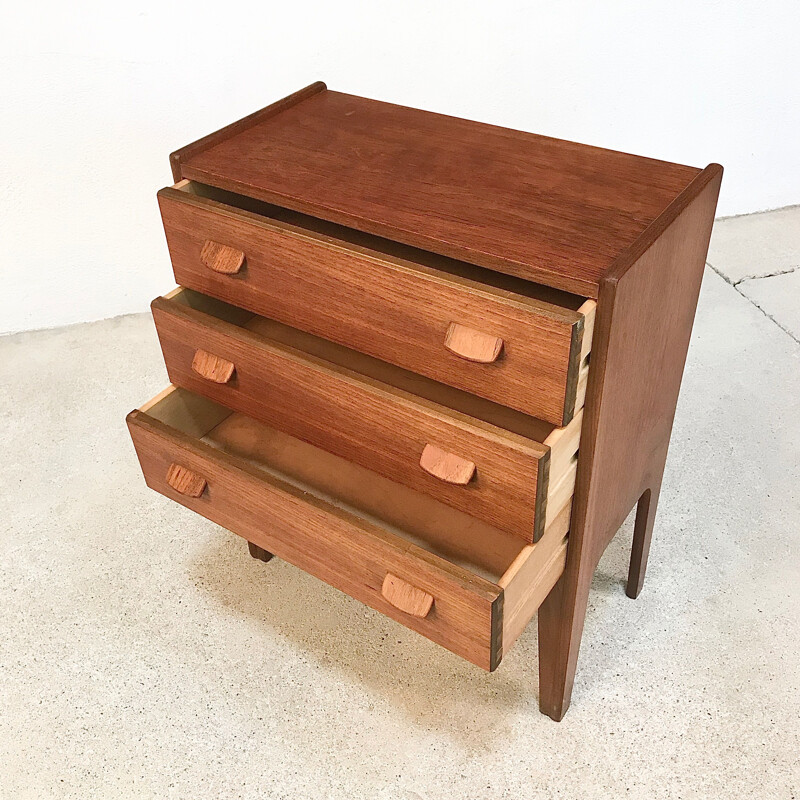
(94, 96)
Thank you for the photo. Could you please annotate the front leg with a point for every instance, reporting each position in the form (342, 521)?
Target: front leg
(561, 619)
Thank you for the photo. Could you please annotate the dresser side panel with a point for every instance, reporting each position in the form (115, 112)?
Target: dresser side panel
(645, 317)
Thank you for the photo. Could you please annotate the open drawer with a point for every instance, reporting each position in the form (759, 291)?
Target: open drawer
(495, 336)
(461, 583)
(506, 468)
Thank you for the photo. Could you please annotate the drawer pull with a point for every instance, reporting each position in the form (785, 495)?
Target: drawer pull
(472, 345)
(406, 597)
(221, 257)
(446, 466)
(185, 481)
(211, 367)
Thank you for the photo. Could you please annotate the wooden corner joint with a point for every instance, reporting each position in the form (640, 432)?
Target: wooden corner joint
(472, 345)
(406, 597)
(211, 367)
(445, 466)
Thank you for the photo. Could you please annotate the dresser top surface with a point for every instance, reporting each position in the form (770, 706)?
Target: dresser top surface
(543, 209)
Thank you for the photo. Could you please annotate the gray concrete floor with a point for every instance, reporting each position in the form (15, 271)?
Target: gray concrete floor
(759, 255)
(144, 654)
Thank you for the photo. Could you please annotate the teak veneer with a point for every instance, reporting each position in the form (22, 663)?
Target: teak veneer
(298, 273)
(352, 529)
(370, 412)
(433, 362)
(550, 211)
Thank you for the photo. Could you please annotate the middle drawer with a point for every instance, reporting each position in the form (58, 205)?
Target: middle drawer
(492, 462)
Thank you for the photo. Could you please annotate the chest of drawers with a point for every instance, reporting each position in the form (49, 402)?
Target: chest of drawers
(433, 362)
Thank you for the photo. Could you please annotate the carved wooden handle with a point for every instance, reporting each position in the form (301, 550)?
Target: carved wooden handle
(185, 481)
(446, 466)
(472, 345)
(211, 367)
(221, 257)
(406, 597)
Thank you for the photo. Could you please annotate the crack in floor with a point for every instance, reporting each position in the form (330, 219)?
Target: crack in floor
(759, 277)
(750, 300)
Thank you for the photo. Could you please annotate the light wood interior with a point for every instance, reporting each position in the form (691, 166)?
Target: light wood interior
(439, 529)
(463, 402)
(463, 269)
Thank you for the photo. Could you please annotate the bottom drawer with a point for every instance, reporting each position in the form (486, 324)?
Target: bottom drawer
(467, 586)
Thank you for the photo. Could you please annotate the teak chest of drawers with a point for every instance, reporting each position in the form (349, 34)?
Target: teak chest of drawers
(433, 362)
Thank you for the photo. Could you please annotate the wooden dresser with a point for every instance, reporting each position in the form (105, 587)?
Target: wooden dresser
(432, 362)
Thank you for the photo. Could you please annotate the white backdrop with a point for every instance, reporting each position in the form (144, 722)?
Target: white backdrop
(93, 97)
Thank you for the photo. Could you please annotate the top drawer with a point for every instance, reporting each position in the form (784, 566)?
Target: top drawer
(494, 336)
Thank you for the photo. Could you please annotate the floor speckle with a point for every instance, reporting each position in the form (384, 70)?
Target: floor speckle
(145, 654)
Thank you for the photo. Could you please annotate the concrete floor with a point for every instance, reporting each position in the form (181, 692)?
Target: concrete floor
(144, 654)
(759, 255)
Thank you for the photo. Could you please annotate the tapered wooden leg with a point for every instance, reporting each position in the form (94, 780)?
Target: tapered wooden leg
(642, 534)
(561, 619)
(258, 552)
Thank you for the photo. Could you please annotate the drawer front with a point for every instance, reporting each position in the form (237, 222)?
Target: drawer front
(345, 551)
(487, 472)
(522, 353)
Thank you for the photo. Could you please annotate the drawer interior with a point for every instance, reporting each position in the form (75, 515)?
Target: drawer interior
(451, 266)
(372, 368)
(418, 519)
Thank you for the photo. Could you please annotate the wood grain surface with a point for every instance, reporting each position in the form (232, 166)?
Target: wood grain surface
(528, 582)
(434, 569)
(363, 420)
(644, 322)
(502, 209)
(544, 209)
(240, 125)
(374, 303)
(446, 532)
(212, 367)
(184, 481)
(221, 258)
(473, 345)
(401, 594)
(346, 551)
(447, 467)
